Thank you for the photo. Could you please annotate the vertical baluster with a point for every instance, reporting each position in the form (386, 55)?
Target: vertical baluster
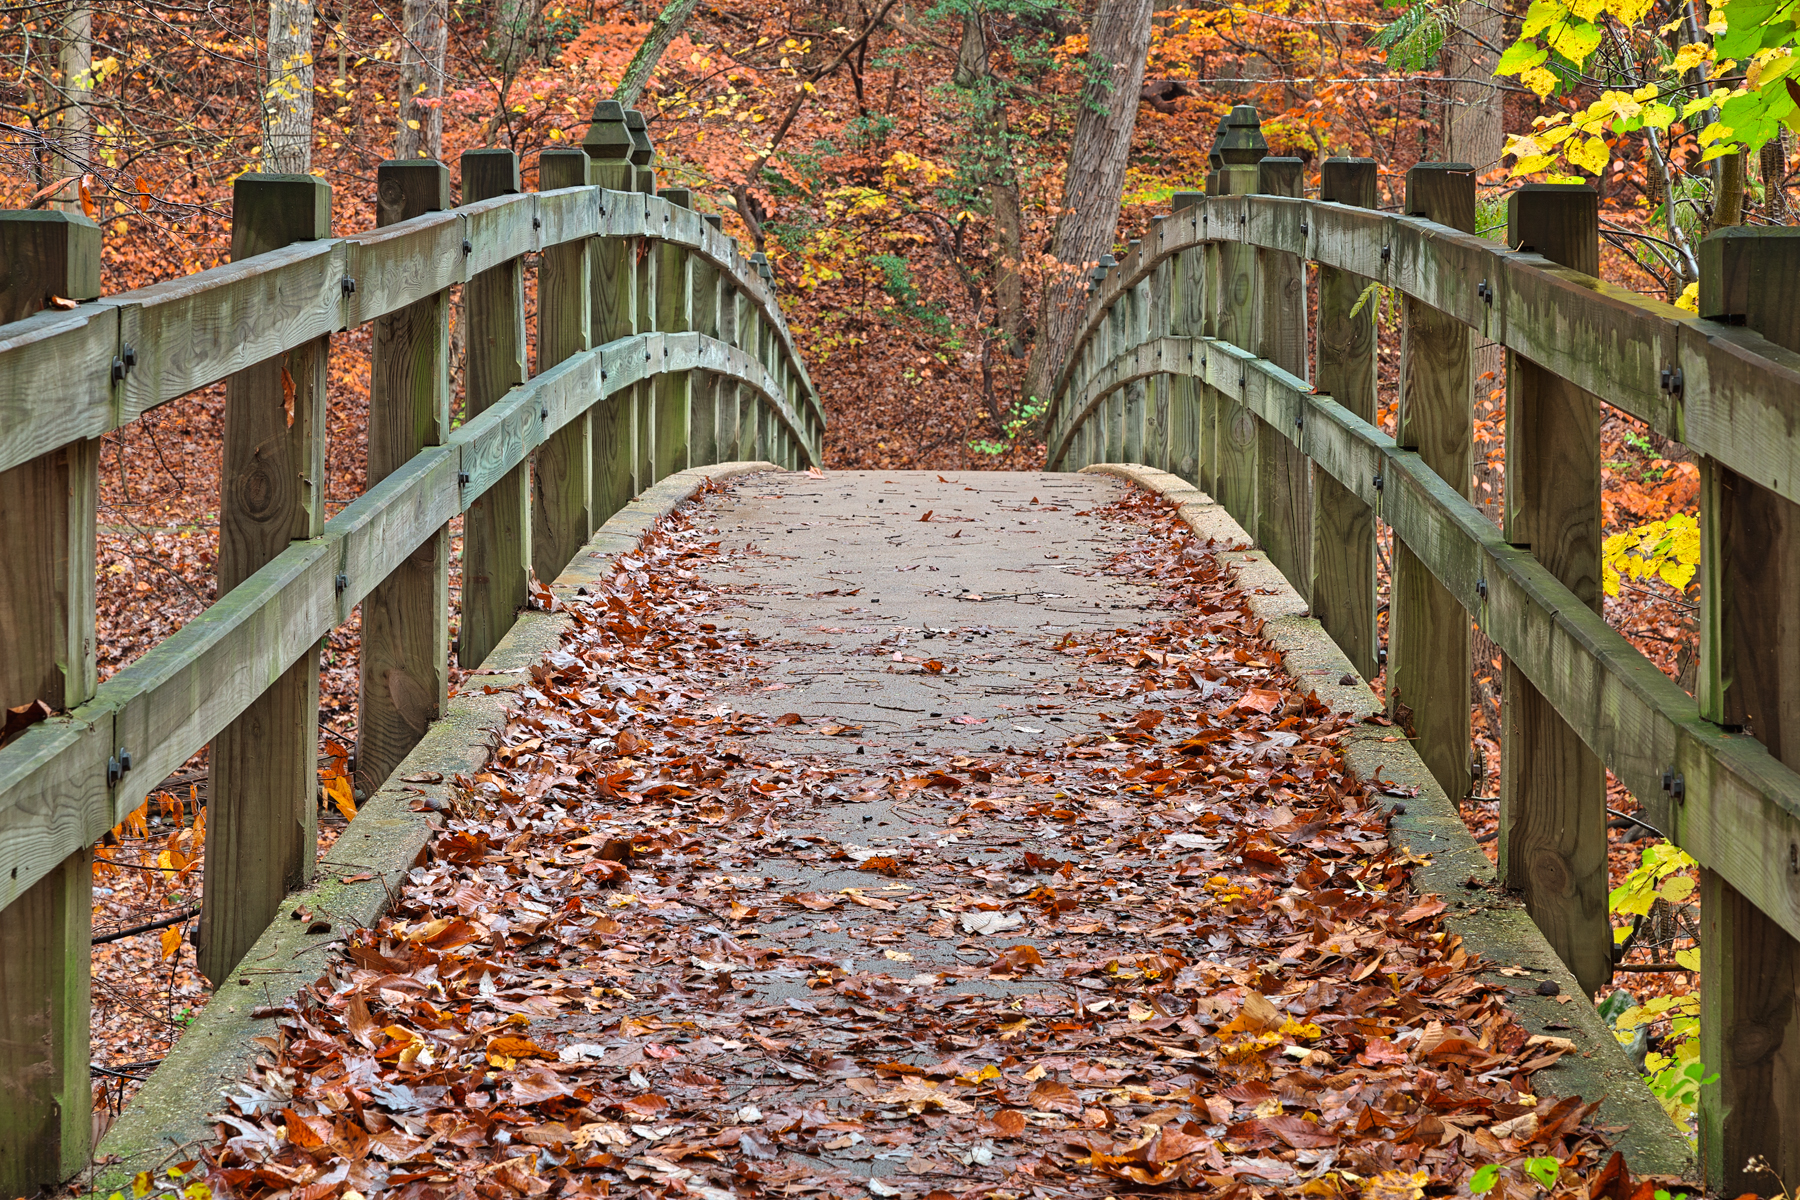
(262, 769)
(731, 325)
(1343, 595)
(1285, 489)
(1428, 632)
(704, 387)
(1750, 677)
(497, 533)
(47, 653)
(1156, 391)
(562, 471)
(404, 676)
(1239, 467)
(612, 304)
(674, 314)
(649, 285)
(1134, 400)
(1212, 264)
(1552, 787)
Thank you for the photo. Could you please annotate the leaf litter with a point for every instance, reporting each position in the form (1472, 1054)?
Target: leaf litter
(1225, 988)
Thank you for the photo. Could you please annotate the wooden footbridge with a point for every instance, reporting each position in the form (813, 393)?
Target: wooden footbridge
(660, 346)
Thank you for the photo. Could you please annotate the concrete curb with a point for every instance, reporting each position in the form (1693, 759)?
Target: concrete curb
(1491, 922)
(169, 1115)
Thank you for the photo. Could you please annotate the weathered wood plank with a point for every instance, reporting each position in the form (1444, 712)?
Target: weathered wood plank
(673, 393)
(1750, 665)
(1552, 787)
(1286, 512)
(262, 769)
(562, 475)
(406, 642)
(497, 532)
(46, 654)
(1428, 669)
(1343, 591)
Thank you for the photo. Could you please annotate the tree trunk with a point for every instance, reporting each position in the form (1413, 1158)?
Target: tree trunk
(288, 103)
(996, 175)
(1118, 40)
(1474, 132)
(668, 23)
(511, 34)
(1728, 193)
(1773, 165)
(75, 54)
(420, 133)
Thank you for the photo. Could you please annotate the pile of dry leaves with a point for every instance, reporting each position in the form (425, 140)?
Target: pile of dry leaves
(596, 985)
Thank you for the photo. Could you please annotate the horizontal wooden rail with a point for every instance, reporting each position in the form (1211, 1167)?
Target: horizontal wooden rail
(1725, 392)
(75, 374)
(1741, 811)
(54, 793)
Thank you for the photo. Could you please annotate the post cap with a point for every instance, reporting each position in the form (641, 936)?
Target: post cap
(680, 197)
(1241, 138)
(607, 139)
(641, 149)
(269, 211)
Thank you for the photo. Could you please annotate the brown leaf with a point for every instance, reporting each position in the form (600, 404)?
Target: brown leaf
(1005, 1123)
(816, 901)
(1051, 1096)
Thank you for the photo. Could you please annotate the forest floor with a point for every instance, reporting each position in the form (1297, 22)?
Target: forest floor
(909, 836)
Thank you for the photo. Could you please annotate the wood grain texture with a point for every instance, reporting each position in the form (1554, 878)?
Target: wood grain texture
(703, 388)
(1343, 563)
(46, 1104)
(1750, 653)
(497, 533)
(672, 394)
(1286, 513)
(46, 653)
(262, 769)
(1553, 844)
(562, 476)
(614, 291)
(1429, 673)
(406, 642)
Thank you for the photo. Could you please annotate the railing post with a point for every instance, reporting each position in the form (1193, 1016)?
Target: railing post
(1211, 404)
(47, 653)
(1286, 485)
(263, 769)
(562, 471)
(1156, 409)
(1134, 398)
(497, 532)
(1750, 679)
(613, 304)
(1429, 673)
(1343, 563)
(1241, 147)
(405, 633)
(643, 451)
(1552, 787)
(1187, 309)
(704, 387)
(674, 314)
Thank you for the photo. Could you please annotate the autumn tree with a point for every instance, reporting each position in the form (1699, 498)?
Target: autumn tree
(420, 130)
(288, 100)
(1118, 40)
(75, 62)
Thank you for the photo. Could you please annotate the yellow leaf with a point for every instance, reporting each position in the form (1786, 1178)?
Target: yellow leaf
(1591, 155)
(1688, 958)
(339, 792)
(1539, 80)
(1688, 57)
(171, 942)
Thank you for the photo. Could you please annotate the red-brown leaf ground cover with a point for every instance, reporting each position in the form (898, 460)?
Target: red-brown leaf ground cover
(651, 955)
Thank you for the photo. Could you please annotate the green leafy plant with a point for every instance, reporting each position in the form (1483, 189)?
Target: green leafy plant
(1021, 417)
(1545, 1171)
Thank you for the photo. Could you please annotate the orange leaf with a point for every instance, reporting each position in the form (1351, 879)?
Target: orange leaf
(87, 197)
(143, 187)
(339, 793)
(171, 942)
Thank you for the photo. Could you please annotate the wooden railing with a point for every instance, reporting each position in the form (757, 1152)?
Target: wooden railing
(1193, 358)
(659, 346)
